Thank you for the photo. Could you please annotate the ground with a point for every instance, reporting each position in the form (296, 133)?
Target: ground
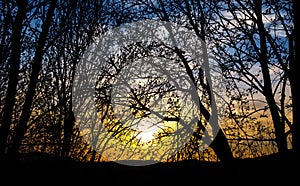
(269, 170)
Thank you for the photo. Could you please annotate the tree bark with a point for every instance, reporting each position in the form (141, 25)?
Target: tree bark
(14, 63)
(69, 123)
(267, 88)
(294, 80)
(220, 144)
(37, 61)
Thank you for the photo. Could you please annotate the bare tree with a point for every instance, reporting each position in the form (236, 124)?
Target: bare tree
(195, 16)
(191, 14)
(47, 40)
(252, 43)
(21, 128)
(14, 62)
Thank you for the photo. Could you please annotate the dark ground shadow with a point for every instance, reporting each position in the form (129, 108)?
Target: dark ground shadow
(269, 170)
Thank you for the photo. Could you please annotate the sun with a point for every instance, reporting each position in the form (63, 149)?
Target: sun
(146, 130)
(145, 136)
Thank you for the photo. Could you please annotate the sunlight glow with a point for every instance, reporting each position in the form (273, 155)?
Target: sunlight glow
(146, 136)
(146, 130)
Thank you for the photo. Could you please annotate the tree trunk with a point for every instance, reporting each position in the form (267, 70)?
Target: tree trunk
(37, 61)
(294, 80)
(267, 89)
(69, 123)
(219, 144)
(14, 63)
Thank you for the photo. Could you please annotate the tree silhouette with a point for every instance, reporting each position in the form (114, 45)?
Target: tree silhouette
(193, 16)
(254, 42)
(255, 52)
(38, 86)
(294, 70)
(14, 62)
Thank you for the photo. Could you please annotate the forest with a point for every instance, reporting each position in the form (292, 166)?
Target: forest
(149, 92)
